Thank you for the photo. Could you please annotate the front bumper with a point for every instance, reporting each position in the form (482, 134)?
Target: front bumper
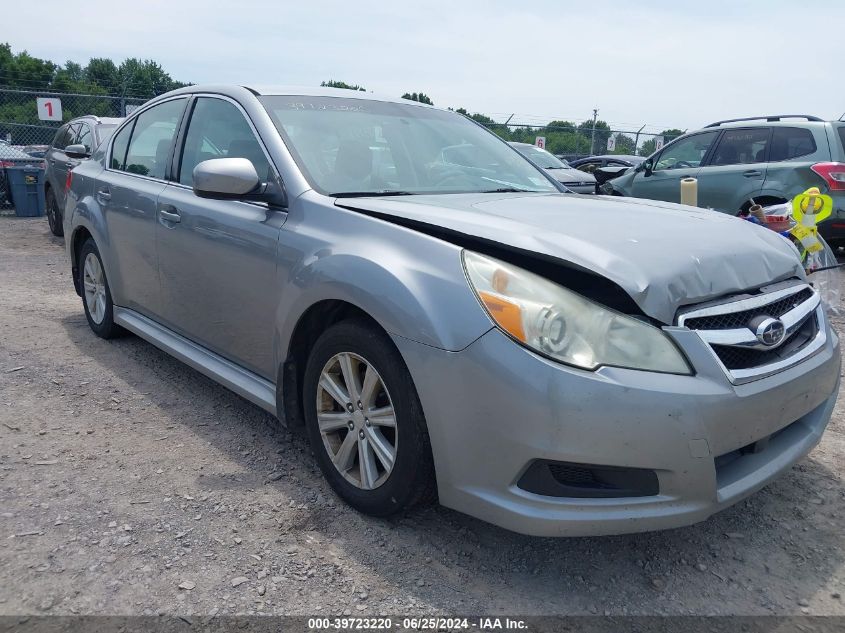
(495, 407)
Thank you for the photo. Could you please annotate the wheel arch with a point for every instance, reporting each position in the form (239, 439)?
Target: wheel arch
(80, 235)
(764, 199)
(311, 324)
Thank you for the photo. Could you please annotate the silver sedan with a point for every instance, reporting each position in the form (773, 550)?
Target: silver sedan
(442, 320)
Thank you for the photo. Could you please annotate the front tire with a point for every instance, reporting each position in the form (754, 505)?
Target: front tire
(365, 422)
(54, 214)
(96, 296)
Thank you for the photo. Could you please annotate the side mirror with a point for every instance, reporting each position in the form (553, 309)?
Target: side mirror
(646, 167)
(226, 179)
(77, 151)
(236, 179)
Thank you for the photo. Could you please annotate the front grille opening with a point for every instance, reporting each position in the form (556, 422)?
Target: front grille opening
(583, 481)
(745, 358)
(735, 320)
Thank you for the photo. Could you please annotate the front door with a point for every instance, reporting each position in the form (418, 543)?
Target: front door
(127, 191)
(678, 160)
(217, 258)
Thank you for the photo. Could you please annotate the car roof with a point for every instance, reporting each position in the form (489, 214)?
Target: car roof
(764, 123)
(628, 157)
(101, 120)
(233, 90)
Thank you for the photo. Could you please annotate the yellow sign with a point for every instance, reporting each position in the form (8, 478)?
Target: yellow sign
(812, 203)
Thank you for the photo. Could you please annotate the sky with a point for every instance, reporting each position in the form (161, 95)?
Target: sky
(657, 63)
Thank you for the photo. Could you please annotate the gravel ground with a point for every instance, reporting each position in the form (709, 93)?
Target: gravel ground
(131, 484)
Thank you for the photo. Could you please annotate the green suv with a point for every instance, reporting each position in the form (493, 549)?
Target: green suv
(770, 159)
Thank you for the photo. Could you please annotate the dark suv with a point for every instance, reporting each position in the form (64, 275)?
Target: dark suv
(770, 159)
(65, 153)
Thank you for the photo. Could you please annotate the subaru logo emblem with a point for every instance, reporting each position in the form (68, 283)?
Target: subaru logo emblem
(769, 331)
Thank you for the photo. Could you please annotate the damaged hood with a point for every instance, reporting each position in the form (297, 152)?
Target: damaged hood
(663, 255)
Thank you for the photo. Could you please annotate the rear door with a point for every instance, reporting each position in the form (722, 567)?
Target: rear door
(735, 170)
(678, 160)
(217, 258)
(127, 191)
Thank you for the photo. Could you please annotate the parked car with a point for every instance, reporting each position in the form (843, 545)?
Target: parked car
(13, 157)
(607, 167)
(553, 364)
(590, 163)
(73, 142)
(572, 179)
(769, 159)
(37, 151)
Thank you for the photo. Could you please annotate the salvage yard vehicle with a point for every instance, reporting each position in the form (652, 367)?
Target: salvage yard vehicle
(573, 179)
(74, 141)
(11, 157)
(769, 159)
(553, 364)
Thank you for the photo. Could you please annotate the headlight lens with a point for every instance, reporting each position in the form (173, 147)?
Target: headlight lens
(564, 325)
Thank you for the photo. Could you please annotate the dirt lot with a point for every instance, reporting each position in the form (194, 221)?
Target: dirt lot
(131, 484)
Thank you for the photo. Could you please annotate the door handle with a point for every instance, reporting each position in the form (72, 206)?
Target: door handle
(752, 173)
(104, 194)
(170, 213)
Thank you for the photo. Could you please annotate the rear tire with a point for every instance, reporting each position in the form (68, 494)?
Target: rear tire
(375, 431)
(96, 296)
(54, 214)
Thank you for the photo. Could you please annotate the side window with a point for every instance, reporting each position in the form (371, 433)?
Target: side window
(686, 152)
(85, 137)
(69, 136)
(152, 139)
(791, 142)
(742, 146)
(219, 130)
(119, 147)
(61, 138)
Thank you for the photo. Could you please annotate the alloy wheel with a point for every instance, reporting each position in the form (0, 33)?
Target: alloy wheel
(357, 420)
(94, 284)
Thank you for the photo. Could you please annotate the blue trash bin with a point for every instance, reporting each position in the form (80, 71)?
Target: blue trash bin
(26, 186)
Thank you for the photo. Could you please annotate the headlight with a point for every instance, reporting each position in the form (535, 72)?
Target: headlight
(564, 325)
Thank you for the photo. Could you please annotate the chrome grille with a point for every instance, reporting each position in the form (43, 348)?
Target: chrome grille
(740, 319)
(727, 329)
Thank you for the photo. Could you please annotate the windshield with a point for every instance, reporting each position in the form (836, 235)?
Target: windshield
(351, 147)
(540, 157)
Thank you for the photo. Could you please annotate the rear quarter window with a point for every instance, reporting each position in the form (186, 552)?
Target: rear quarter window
(791, 142)
(842, 136)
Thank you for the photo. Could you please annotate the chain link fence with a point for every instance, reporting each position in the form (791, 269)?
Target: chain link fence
(29, 121)
(29, 118)
(580, 140)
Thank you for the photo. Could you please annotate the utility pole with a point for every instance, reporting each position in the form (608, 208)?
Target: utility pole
(637, 139)
(593, 137)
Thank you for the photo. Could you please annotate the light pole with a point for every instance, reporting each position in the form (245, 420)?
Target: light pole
(593, 137)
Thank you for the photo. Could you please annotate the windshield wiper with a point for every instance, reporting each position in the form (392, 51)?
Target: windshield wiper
(367, 194)
(508, 190)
